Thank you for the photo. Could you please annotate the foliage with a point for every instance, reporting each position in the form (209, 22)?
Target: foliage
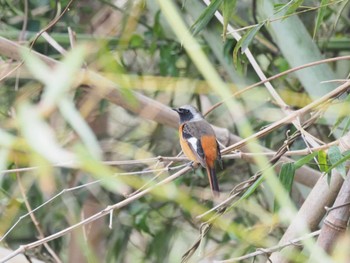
(83, 126)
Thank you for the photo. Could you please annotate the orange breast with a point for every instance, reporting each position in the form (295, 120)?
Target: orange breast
(186, 148)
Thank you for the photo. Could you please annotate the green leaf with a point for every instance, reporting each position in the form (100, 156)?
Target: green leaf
(136, 41)
(228, 10)
(344, 157)
(305, 160)
(244, 42)
(337, 160)
(286, 177)
(322, 161)
(249, 36)
(320, 15)
(252, 188)
(255, 185)
(293, 7)
(343, 115)
(205, 17)
(346, 126)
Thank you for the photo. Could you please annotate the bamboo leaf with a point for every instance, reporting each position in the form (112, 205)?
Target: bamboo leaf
(305, 160)
(205, 17)
(228, 10)
(59, 81)
(320, 16)
(337, 160)
(286, 177)
(40, 136)
(252, 188)
(249, 36)
(342, 117)
(244, 42)
(293, 7)
(77, 122)
(322, 161)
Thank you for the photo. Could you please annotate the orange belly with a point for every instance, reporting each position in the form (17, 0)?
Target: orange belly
(187, 150)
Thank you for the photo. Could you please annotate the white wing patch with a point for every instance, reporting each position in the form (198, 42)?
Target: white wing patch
(193, 141)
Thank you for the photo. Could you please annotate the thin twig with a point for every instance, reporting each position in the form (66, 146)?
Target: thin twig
(112, 163)
(51, 24)
(341, 89)
(35, 221)
(222, 208)
(66, 190)
(284, 107)
(282, 17)
(94, 217)
(270, 249)
(276, 76)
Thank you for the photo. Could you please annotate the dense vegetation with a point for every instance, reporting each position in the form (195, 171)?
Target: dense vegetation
(90, 160)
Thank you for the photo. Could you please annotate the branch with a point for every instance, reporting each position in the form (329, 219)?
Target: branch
(153, 110)
(312, 211)
(337, 220)
(94, 217)
(266, 251)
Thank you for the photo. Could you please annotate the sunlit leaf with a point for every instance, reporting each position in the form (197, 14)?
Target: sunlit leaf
(58, 81)
(37, 67)
(205, 17)
(40, 136)
(6, 139)
(136, 41)
(322, 160)
(337, 160)
(108, 178)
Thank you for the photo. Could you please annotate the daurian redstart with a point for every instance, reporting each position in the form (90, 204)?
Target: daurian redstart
(198, 142)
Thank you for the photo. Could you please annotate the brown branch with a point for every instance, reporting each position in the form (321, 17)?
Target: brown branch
(94, 217)
(336, 221)
(240, 188)
(312, 210)
(151, 109)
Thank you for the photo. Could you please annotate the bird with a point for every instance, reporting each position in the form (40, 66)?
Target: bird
(198, 142)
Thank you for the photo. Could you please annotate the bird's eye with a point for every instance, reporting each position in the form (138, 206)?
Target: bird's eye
(186, 111)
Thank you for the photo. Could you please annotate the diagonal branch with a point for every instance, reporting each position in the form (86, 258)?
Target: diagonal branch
(152, 109)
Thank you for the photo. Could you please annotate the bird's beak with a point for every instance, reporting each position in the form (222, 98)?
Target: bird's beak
(176, 110)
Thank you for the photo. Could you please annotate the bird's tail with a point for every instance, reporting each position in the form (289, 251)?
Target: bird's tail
(214, 185)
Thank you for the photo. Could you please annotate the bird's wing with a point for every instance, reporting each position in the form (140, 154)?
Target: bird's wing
(190, 134)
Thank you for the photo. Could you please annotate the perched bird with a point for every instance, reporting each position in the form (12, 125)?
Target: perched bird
(198, 142)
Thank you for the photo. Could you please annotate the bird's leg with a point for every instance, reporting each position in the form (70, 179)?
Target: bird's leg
(193, 165)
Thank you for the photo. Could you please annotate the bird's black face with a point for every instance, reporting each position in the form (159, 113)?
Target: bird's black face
(185, 114)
